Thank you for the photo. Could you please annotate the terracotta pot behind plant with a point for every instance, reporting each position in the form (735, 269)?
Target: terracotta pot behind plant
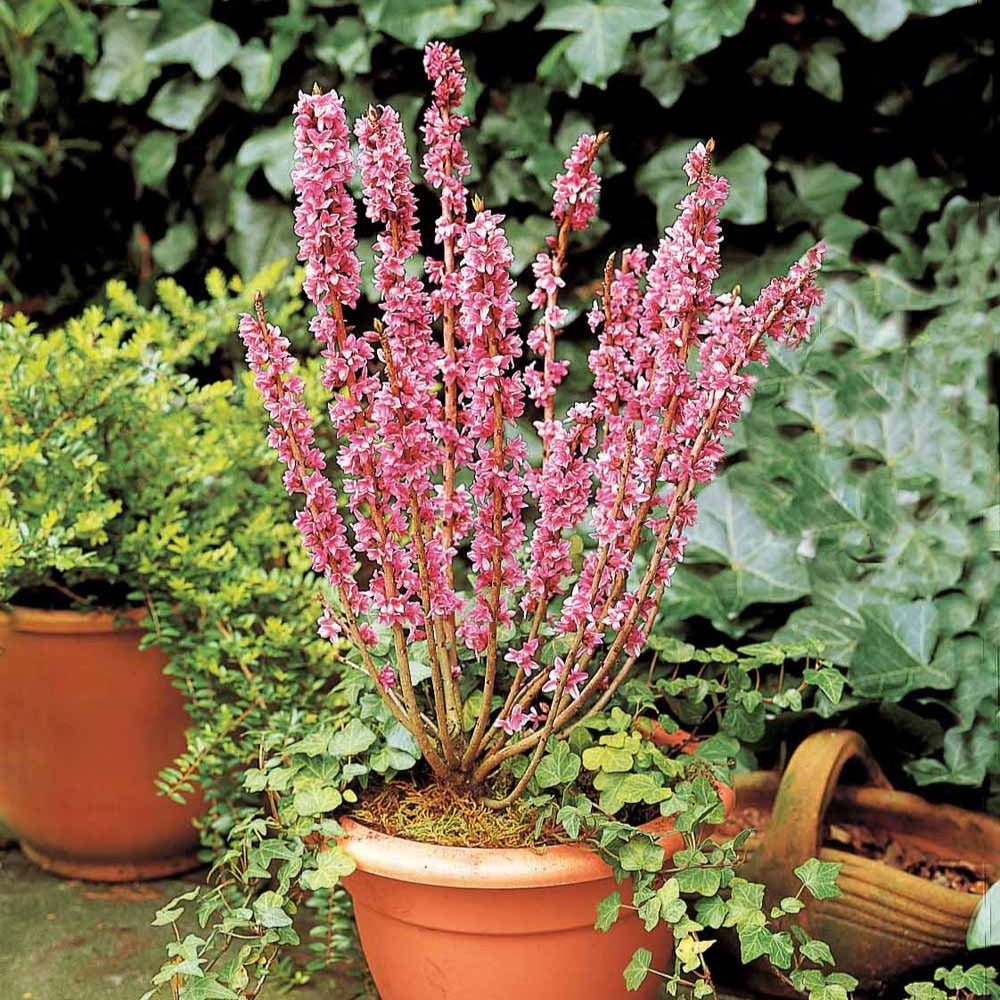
(86, 723)
(456, 923)
(887, 922)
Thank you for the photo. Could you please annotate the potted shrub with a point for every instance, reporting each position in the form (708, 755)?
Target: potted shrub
(122, 478)
(494, 775)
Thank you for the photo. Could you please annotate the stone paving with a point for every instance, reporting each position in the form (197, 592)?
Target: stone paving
(68, 940)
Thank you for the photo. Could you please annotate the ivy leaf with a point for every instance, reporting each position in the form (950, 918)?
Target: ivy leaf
(353, 739)
(262, 232)
(122, 74)
(911, 195)
(689, 951)
(416, 22)
(640, 854)
(602, 30)
(823, 69)
(828, 680)
(822, 189)
(269, 910)
(347, 43)
(817, 951)
(272, 149)
(175, 249)
(894, 651)
(607, 911)
(746, 171)
(745, 901)
(181, 104)
(755, 941)
(711, 912)
(560, 767)
(638, 968)
(332, 864)
(208, 989)
(700, 25)
(819, 878)
(662, 179)
(763, 566)
(875, 19)
(704, 881)
(205, 47)
(314, 799)
(153, 157)
(259, 71)
(780, 950)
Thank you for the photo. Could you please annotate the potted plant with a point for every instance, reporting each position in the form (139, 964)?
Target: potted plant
(122, 477)
(494, 774)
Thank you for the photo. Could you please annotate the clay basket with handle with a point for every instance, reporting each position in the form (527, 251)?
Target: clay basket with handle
(887, 922)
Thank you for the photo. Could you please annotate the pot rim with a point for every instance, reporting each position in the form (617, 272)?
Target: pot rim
(377, 853)
(40, 620)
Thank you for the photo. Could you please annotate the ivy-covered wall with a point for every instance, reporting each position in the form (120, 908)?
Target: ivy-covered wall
(150, 136)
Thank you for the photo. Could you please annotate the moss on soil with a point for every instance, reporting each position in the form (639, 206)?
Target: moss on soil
(447, 816)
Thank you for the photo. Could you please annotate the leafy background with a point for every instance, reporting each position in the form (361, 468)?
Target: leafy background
(860, 506)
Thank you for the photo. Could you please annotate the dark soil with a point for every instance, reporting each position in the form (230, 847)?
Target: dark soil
(949, 871)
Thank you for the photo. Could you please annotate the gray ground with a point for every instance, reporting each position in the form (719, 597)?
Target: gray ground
(66, 940)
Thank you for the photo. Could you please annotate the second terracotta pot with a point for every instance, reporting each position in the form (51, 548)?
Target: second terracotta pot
(453, 923)
(87, 721)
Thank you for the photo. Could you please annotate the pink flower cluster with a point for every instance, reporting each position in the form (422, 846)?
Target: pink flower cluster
(435, 472)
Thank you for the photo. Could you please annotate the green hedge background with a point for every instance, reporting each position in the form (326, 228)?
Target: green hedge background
(860, 506)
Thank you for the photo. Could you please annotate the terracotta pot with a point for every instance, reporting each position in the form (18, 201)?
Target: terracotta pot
(887, 922)
(88, 722)
(452, 923)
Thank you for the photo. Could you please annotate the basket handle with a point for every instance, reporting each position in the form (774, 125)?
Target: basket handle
(795, 831)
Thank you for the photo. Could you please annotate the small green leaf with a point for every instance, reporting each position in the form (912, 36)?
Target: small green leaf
(154, 156)
(175, 249)
(602, 30)
(640, 854)
(828, 679)
(206, 47)
(746, 171)
(820, 878)
(700, 25)
(607, 911)
(638, 968)
(181, 104)
(332, 864)
(353, 739)
(875, 19)
(558, 768)
(984, 929)
(817, 951)
(269, 910)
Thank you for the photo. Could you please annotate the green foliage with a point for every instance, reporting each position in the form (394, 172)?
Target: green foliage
(858, 509)
(957, 983)
(126, 481)
(182, 106)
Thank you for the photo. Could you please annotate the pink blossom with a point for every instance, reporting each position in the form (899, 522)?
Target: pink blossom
(523, 658)
(515, 720)
(574, 678)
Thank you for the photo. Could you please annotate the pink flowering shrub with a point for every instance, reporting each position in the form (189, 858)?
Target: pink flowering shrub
(427, 405)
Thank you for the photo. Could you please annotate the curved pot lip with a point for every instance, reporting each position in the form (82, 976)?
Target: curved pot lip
(404, 860)
(39, 620)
